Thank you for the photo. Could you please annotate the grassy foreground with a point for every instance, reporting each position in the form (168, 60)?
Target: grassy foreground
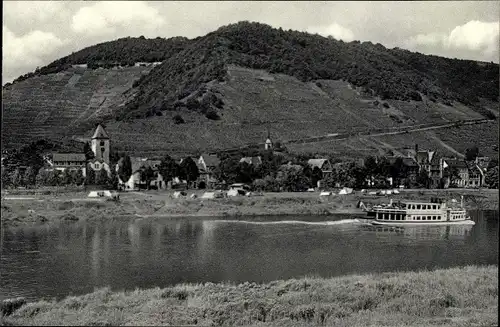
(76, 206)
(466, 296)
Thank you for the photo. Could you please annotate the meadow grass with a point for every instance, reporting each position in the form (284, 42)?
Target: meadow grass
(465, 296)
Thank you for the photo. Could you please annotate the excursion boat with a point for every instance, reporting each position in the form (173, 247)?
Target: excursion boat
(409, 213)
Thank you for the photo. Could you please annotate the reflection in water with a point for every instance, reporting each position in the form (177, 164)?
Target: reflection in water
(457, 232)
(96, 253)
(55, 261)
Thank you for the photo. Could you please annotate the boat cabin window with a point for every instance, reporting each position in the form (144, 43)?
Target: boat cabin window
(417, 217)
(418, 206)
(424, 207)
(434, 217)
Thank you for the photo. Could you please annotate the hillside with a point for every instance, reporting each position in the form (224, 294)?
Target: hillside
(233, 84)
(389, 73)
(62, 105)
(124, 52)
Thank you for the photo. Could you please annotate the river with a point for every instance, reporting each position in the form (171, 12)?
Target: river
(72, 259)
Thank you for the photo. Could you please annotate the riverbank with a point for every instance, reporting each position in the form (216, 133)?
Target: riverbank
(32, 207)
(466, 296)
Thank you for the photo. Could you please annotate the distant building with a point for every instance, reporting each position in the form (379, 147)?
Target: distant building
(410, 167)
(206, 165)
(255, 161)
(268, 145)
(70, 161)
(136, 179)
(461, 179)
(100, 145)
(323, 164)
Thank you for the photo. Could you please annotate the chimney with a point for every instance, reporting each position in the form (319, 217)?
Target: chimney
(416, 147)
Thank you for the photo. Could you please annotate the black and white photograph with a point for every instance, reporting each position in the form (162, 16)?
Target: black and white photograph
(250, 163)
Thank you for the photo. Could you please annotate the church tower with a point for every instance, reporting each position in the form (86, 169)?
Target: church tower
(269, 144)
(100, 144)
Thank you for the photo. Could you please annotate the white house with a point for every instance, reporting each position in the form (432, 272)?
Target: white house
(135, 180)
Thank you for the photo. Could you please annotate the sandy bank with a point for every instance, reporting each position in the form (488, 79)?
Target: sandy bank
(466, 296)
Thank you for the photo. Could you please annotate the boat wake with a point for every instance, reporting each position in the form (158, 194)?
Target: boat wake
(291, 222)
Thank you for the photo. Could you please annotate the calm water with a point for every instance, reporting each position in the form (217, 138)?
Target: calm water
(74, 259)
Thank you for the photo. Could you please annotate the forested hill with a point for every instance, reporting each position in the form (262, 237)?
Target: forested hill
(389, 73)
(125, 52)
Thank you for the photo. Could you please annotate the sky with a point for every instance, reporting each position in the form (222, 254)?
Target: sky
(36, 33)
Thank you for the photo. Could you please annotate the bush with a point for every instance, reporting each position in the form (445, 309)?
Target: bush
(178, 119)
(212, 115)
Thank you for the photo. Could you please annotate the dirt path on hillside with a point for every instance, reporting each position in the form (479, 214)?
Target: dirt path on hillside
(434, 137)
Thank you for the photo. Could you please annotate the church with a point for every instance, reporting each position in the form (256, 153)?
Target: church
(100, 144)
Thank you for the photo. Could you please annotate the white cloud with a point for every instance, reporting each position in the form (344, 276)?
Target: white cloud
(474, 36)
(28, 49)
(110, 17)
(335, 30)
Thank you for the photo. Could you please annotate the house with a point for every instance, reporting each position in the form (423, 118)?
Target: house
(136, 180)
(435, 171)
(323, 164)
(462, 178)
(255, 161)
(206, 165)
(410, 169)
(424, 159)
(71, 161)
(476, 175)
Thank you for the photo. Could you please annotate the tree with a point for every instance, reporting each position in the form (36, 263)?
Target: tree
(471, 153)
(77, 177)
(423, 179)
(30, 176)
(6, 177)
(491, 178)
(90, 176)
(178, 119)
(87, 149)
(113, 180)
(398, 171)
(17, 178)
(147, 175)
(54, 178)
(125, 169)
(67, 177)
(42, 177)
(101, 178)
(371, 166)
(316, 176)
(493, 163)
(227, 170)
(168, 169)
(189, 170)
(291, 178)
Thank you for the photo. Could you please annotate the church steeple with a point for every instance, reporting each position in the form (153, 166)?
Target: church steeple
(100, 144)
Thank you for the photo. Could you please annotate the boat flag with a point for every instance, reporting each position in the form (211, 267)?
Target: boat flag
(445, 164)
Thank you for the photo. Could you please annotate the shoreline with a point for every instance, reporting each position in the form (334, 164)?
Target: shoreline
(33, 208)
(460, 296)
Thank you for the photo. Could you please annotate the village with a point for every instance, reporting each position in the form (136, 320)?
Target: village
(268, 168)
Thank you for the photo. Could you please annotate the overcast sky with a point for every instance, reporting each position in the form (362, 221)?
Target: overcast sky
(38, 32)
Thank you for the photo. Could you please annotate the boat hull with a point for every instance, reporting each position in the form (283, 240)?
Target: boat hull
(423, 223)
